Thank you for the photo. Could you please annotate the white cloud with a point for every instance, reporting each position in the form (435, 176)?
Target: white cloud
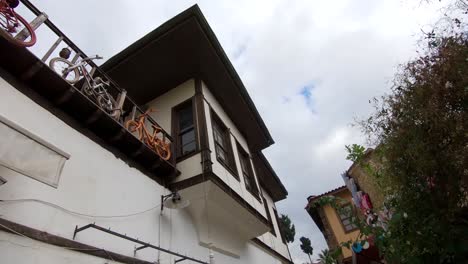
(348, 49)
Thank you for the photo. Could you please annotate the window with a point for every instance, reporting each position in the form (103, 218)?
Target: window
(247, 172)
(185, 129)
(267, 210)
(346, 217)
(223, 146)
(279, 227)
(29, 155)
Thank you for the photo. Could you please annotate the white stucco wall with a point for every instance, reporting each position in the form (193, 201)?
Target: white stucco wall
(93, 182)
(163, 105)
(274, 241)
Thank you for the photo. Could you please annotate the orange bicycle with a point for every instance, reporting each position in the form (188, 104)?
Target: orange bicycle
(152, 140)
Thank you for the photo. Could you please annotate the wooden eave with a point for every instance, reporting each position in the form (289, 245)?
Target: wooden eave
(185, 47)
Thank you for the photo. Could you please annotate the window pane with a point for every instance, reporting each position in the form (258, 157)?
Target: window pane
(248, 184)
(349, 227)
(188, 137)
(219, 137)
(185, 117)
(188, 148)
(221, 154)
(244, 165)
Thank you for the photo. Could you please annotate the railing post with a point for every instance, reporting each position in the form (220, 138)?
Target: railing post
(24, 34)
(75, 58)
(119, 105)
(52, 48)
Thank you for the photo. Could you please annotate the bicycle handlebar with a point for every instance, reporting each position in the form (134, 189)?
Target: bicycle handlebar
(97, 57)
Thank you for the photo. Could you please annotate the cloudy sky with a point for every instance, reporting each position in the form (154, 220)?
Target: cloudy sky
(310, 66)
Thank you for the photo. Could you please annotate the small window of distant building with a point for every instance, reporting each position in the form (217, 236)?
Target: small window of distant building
(185, 129)
(346, 218)
(247, 171)
(223, 145)
(270, 222)
(27, 154)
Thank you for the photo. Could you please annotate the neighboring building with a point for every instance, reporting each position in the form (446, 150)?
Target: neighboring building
(336, 227)
(67, 164)
(365, 182)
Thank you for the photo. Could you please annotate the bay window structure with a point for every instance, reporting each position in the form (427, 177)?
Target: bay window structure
(184, 129)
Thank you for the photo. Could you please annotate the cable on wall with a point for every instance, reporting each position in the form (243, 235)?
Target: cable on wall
(78, 213)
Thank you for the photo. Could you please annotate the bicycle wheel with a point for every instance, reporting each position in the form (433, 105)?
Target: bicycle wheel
(106, 102)
(163, 149)
(61, 67)
(133, 126)
(12, 23)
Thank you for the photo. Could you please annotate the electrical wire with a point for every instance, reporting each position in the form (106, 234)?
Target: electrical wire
(82, 214)
(77, 213)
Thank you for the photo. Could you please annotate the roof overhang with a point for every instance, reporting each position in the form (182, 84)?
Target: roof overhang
(182, 48)
(268, 177)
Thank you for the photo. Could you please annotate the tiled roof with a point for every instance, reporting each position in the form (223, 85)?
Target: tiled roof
(315, 197)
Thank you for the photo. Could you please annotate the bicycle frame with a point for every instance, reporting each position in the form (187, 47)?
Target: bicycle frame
(88, 78)
(150, 139)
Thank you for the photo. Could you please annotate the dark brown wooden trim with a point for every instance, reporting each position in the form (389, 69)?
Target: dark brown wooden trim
(64, 242)
(232, 168)
(279, 226)
(223, 186)
(272, 251)
(202, 126)
(175, 126)
(241, 152)
(270, 220)
(194, 180)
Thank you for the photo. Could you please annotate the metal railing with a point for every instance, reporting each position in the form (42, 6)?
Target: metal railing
(126, 109)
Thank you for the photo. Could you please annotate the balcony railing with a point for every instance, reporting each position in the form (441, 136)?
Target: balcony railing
(124, 109)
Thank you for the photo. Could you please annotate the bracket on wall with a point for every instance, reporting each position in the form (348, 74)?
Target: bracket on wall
(180, 260)
(143, 244)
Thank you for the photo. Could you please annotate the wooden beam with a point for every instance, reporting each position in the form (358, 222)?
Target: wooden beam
(15, 228)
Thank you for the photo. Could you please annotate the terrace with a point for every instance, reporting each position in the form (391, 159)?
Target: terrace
(33, 77)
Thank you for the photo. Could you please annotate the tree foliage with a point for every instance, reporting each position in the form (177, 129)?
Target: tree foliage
(420, 162)
(287, 228)
(326, 257)
(306, 247)
(421, 132)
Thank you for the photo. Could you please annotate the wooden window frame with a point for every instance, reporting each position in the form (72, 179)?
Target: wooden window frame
(350, 218)
(248, 173)
(278, 224)
(176, 131)
(270, 220)
(230, 165)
